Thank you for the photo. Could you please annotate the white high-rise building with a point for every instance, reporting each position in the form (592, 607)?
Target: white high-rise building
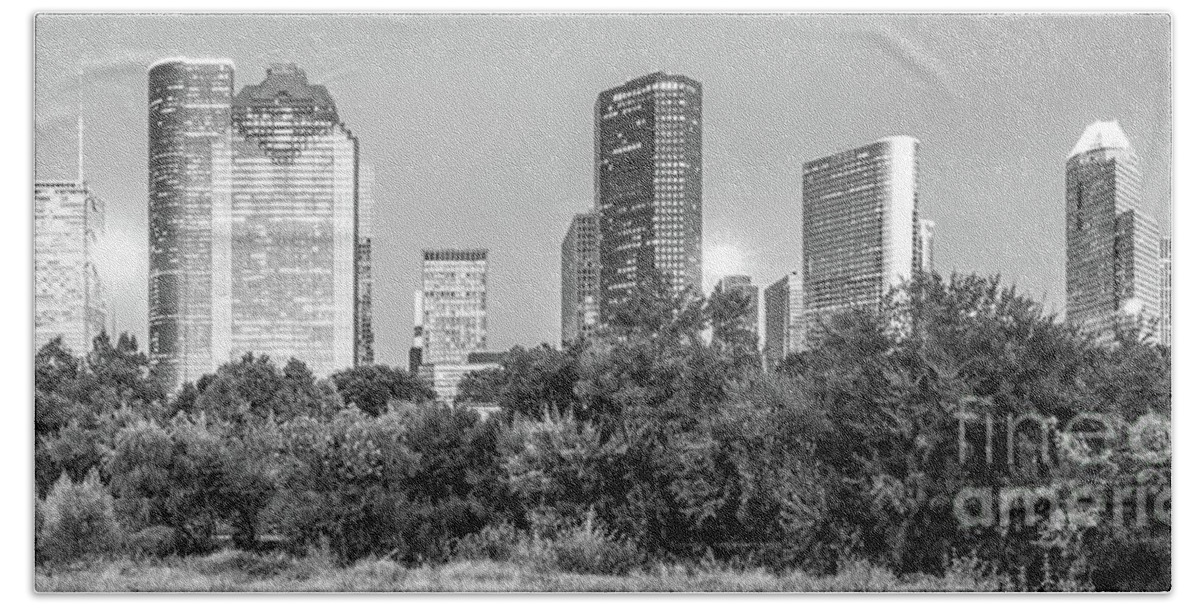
(69, 299)
(454, 304)
(255, 242)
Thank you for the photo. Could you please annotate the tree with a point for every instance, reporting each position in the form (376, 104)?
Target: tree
(372, 387)
(528, 381)
(253, 390)
(168, 477)
(76, 521)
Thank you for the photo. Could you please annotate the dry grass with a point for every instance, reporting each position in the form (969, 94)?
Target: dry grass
(240, 572)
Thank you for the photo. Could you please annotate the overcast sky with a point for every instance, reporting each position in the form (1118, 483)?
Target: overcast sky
(480, 130)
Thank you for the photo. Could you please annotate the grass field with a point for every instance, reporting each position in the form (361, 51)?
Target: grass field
(233, 571)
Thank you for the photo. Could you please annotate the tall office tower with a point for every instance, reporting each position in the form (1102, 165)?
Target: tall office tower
(783, 318)
(860, 227)
(68, 296)
(253, 221)
(190, 175)
(648, 185)
(295, 244)
(925, 232)
(454, 304)
(1112, 246)
(742, 284)
(416, 352)
(1164, 296)
(581, 278)
(365, 331)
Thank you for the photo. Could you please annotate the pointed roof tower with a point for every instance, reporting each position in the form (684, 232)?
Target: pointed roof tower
(1101, 135)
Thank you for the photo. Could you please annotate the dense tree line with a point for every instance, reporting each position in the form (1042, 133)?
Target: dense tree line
(899, 437)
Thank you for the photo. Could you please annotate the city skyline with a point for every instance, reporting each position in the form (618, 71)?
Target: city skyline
(521, 313)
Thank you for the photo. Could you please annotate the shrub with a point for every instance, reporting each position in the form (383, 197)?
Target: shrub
(77, 521)
(154, 541)
(236, 561)
(589, 548)
(498, 543)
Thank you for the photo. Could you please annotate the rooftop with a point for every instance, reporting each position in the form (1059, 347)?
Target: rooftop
(1101, 135)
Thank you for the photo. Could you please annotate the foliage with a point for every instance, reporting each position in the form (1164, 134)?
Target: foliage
(650, 442)
(527, 383)
(253, 389)
(404, 484)
(372, 387)
(80, 404)
(77, 521)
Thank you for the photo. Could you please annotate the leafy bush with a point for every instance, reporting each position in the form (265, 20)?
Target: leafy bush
(235, 561)
(588, 548)
(497, 542)
(77, 521)
(154, 541)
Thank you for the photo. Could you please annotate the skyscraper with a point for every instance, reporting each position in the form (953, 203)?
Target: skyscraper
(365, 332)
(454, 304)
(742, 284)
(254, 204)
(191, 169)
(581, 278)
(295, 235)
(648, 185)
(1113, 274)
(417, 351)
(860, 227)
(1164, 296)
(925, 232)
(68, 297)
(783, 318)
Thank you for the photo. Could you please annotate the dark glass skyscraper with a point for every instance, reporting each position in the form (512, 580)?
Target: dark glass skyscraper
(648, 185)
(581, 278)
(1113, 247)
(783, 318)
(190, 167)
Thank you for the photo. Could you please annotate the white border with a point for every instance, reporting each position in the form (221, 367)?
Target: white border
(16, 237)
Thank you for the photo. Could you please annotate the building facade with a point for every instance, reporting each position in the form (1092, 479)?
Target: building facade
(69, 299)
(254, 215)
(648, 185)
(1113, 247)
(294, 224)
(783, 318)
(861, 227)
(581, 278)
(365, 331)
(190, 206)
(925, 233)
(744, 285)
(454, 304)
